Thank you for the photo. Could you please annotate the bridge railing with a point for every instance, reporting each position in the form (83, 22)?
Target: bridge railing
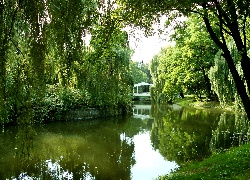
(144, 93)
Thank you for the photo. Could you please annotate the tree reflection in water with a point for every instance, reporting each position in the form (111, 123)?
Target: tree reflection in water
(104, 148)
(187, 134)
(232, 130)
(25, 135)
(92, 149)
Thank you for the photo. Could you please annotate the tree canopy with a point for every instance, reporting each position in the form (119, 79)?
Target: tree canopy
(184, 68)
(225, 20)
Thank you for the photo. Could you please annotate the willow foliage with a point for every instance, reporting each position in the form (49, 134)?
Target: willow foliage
(221, 79)
(45, 64)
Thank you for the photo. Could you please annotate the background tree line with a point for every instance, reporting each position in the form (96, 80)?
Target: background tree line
(140, 72)
(195, 65)
(184, 68)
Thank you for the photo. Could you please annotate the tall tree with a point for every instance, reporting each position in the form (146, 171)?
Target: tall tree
(184, 67)
(197, 50)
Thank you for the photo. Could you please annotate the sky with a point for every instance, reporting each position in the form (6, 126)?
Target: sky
(146, 47)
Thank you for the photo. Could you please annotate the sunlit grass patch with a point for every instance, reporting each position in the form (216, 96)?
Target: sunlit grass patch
(191, 101)
(233, 164)
(187, 101)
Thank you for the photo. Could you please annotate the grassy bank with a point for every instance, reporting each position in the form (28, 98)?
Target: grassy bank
(192, 102)
(233, 164)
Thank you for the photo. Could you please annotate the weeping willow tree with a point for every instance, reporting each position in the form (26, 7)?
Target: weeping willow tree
(45, 63)
(222, 81)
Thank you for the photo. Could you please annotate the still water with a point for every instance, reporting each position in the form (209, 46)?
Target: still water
(154, 141)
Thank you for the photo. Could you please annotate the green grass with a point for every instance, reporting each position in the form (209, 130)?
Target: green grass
(187, 101)
(233, 164)
(190, 101)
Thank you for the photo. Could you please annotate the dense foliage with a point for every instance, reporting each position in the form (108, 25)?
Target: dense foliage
(184, 67)
(46, 64)
(222, 81)
(195, 66)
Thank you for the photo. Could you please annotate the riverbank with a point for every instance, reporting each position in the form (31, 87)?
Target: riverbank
(87, 113)
(190, 101)
(46, 114)
(233, 164)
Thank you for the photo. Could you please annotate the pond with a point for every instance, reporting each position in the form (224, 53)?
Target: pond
(154, 141)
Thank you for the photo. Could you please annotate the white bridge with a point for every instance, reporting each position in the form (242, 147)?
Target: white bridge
(142, 89)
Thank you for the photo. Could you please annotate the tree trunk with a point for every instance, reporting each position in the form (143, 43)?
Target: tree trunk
(182, 94)
(245, 64)
(208, 84)
(241, 89)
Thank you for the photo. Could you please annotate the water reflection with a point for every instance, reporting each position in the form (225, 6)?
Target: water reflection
(188, 134)
(94, 149)
(183, 134)
(25, 135)
(149, 144)
(80, 150)
(232, 130)
(142, 111)
(149, 163)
